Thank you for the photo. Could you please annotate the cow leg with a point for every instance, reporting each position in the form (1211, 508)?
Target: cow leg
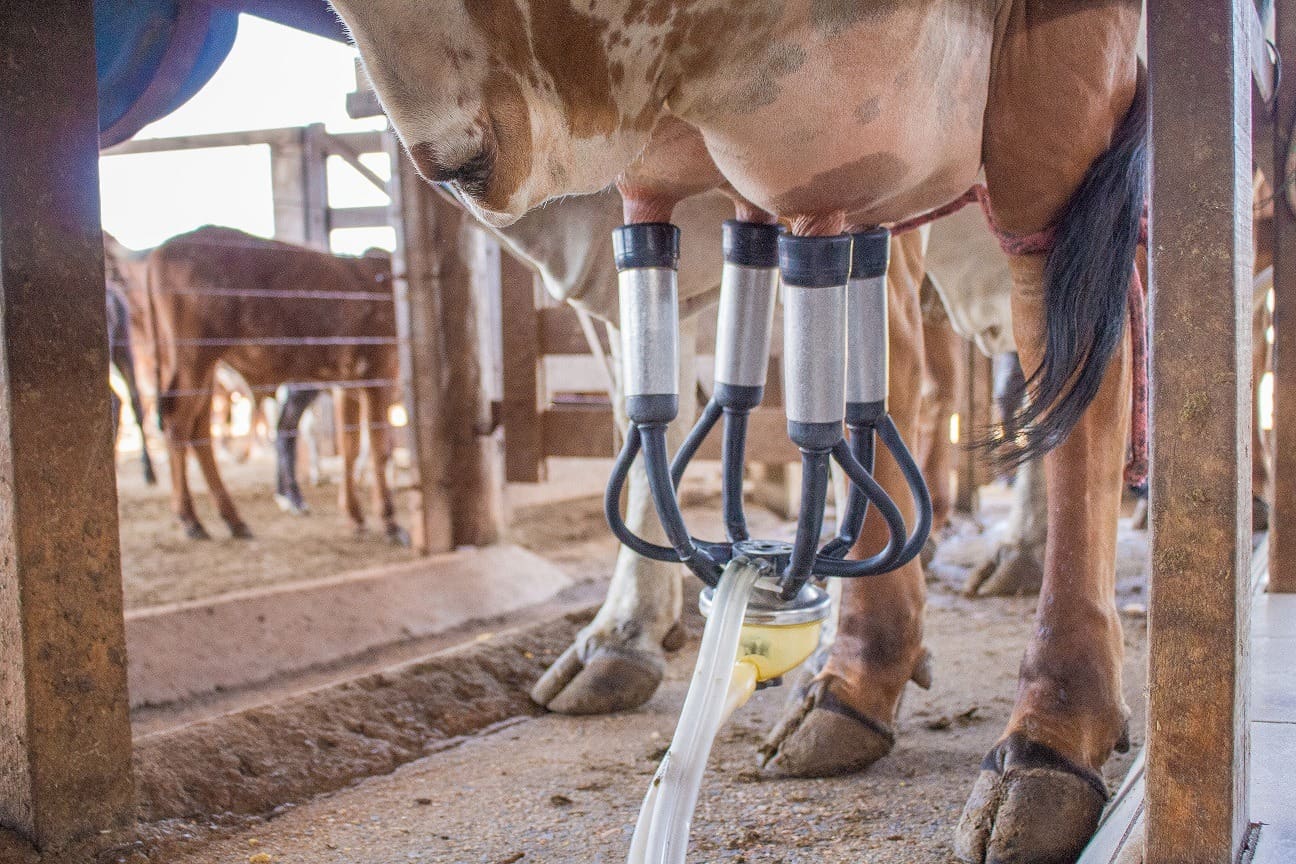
(1260, 474)
(206, 457)
(617, 661)
(346, 411)
(178, 415)
(844, 720)
(287, 493)
(1040, 791)
(942, 377)
(124, 360)
(1016, 566)
(380, 451)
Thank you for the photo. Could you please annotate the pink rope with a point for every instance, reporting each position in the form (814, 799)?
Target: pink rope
(1136, 465)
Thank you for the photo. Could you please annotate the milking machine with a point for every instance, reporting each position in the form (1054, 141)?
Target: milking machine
(764, 612)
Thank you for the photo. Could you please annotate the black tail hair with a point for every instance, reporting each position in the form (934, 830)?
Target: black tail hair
(1086, 284)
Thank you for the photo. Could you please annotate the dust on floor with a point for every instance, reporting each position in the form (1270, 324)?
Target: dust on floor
(562, 789)
(160, 565)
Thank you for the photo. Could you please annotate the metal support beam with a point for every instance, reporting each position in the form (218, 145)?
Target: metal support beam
(1201, 262)
(1282, 525)
(65, 746)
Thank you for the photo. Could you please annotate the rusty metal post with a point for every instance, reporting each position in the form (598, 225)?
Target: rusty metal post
(1201, 435)
(1282, 525)
(65, 743)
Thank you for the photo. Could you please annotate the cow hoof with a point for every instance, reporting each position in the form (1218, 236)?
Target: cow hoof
(240, 531)
(398, 536)
(1029, 806)
(1012, 572)
(195, 531)
(289, 504)
(1139, 518)
(823, 737)
(675, 638)
(614, 678)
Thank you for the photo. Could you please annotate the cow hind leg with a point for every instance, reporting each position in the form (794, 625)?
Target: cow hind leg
(844, 720)
(616, 662)
(379, 455)
(346, 411)
(1015, 567)
(177, 415)
(288, 493)
(206, 458)
(942, 380)
(1066, 149)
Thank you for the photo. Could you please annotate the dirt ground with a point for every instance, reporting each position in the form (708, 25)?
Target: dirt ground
(160, 565)
(561, 789)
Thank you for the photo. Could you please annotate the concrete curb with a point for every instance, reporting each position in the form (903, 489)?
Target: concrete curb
(318, 741)
(182, 651)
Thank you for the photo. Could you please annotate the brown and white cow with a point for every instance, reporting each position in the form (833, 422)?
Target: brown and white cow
(834, 117)
(275, 313)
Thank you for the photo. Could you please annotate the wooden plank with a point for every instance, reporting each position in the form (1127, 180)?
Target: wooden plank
(416, 277)
(315, 186)
(1201, 413)
(251, 137)
(339, 146)
(288, 188)
(560, 331)
(358, 217)
(589, 431)
(524, 386)
(65, 745)
(360, 142)
(459, 486)
(1282, 524)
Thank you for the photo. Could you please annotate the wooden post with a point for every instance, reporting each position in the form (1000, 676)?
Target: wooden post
(524, 386)
(64, 725)
(457, 488)
(1282, 525)
(1201, 414)
(300, 187)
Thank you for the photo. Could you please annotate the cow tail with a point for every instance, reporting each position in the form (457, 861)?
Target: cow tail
(1086, 284)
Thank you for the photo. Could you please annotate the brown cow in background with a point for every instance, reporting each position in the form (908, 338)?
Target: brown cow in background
(276, 313)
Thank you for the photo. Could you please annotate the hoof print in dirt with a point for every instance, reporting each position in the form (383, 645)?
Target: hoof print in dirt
(824, 737)
(614, 678)
(1030, 805)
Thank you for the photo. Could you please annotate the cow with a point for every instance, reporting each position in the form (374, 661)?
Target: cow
(121, 355)
(275, 313)
(831, 118)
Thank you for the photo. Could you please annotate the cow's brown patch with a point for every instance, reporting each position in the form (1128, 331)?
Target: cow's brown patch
(868, 110)
(510, 122)
(834, 17)
(504, 28)
(570, 47)
(848, 187)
